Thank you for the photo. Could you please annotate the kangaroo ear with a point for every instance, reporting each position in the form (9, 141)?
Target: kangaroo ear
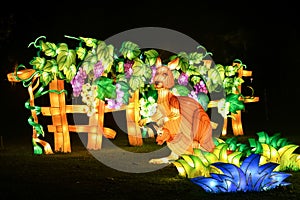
(173, 64)
(158, 62)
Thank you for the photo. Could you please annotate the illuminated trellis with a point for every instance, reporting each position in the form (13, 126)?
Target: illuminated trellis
(56, 64)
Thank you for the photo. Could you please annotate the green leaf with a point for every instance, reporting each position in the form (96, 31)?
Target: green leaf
(181, 90)
(106, 89)
(228, 84)
(255, 145)
(235, 103)
(230, 70)
(183, 55)
(183, 61)
(37, 150)
(49, 48)
(263, 137)
(231, 140)
(195, 58)
(214, 80)
(65, 59)
(46, 78)
(238, 81)
(192, 70)
(151, 56)
(176, 74)
(203, 99)
(243, 148)
(215, 77)
(121, 77)
(202, 70)
(81, 52)
(60, 75)
(140, 69)
(62, 48)
(195, 79)
(89, 62)
(51, 67)
(130, 50)
(90, 42)
(221, 70)
(152, 93)
(38, 63)
(135, 82)
(70, 72)
(282, 142)
(105, 55)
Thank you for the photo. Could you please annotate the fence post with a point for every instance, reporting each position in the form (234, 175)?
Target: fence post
(96, 128)
(132, 116)
(236, 123)
(59, 117)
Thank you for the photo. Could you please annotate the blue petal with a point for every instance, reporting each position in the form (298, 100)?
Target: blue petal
(207, 183)
(233, 173)
(258, 183)
(267, 168)
(219, 177)
(227, 168)
(250, 164)
(279, 176)
(274, 180)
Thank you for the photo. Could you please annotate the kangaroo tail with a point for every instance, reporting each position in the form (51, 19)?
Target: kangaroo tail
(202, 129)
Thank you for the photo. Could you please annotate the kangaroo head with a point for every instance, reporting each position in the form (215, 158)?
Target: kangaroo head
(164, 77)
(163, 135)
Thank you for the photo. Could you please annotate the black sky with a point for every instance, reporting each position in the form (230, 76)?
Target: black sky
(265, 36)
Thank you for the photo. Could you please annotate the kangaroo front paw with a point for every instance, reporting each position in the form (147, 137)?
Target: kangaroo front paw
(159, 161)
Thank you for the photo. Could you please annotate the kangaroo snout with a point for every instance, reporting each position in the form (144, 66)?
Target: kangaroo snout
(157, 82)
(163, 78)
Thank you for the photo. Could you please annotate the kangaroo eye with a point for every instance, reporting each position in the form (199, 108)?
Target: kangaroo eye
(165, 74)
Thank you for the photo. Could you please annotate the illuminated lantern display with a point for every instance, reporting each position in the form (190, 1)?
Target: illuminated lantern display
(108, 81)
(200, 162)
(270, 148)
(276, 149)
(249, 177)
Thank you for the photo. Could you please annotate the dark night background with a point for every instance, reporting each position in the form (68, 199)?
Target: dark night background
(265, 37)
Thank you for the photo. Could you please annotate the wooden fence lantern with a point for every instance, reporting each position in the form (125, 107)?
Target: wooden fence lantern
(58, 111)
(120, 81)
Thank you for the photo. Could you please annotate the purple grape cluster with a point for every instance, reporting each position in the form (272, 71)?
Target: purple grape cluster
(183, 79)
(193, 95)
(116, 103)
(153, 69)
(200, 87)
(98, 69)
(78, 81)
(128, 68)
